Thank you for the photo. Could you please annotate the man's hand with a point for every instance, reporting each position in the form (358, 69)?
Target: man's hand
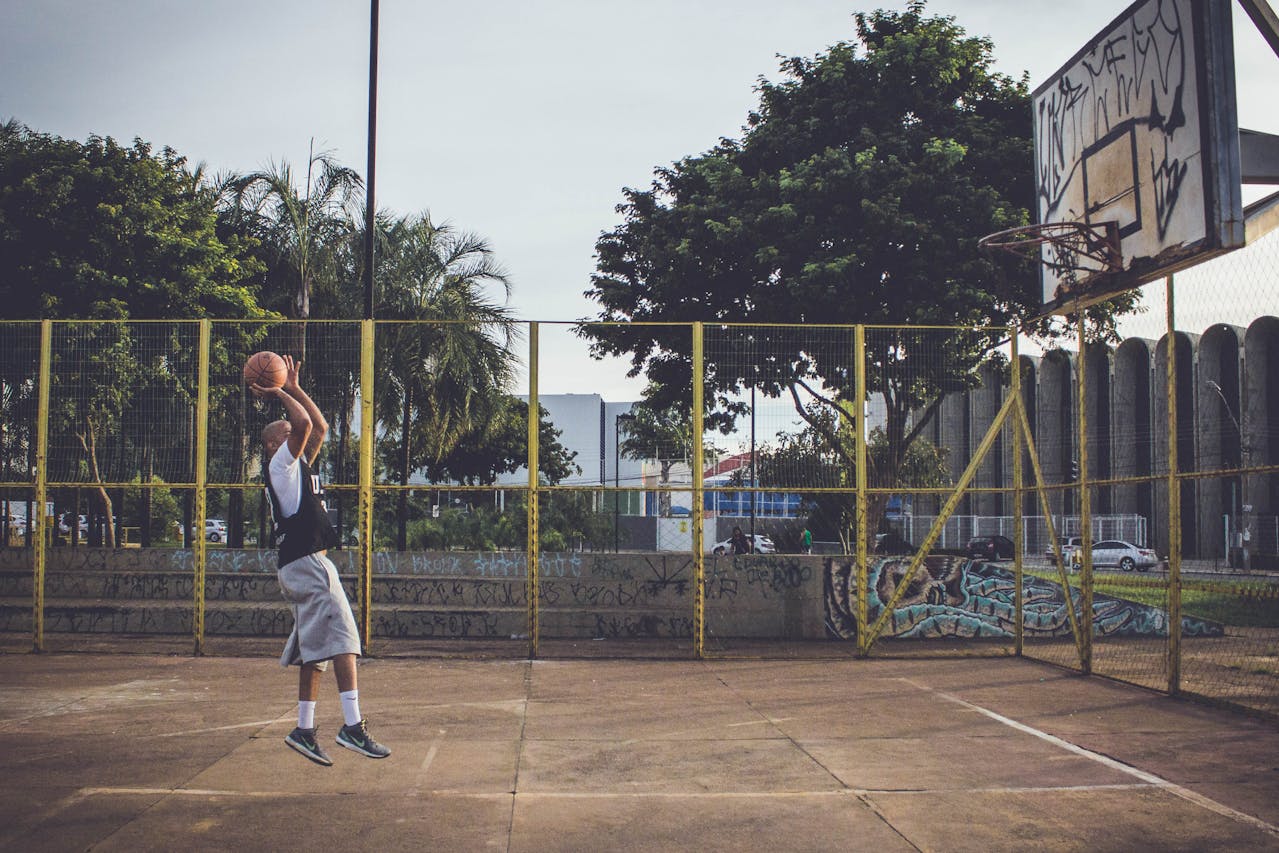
(291, 378)
(262, 392)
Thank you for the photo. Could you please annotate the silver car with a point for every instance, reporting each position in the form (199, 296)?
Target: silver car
(1123, 555)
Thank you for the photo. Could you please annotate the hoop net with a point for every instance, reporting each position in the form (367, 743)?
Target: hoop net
(1065, 247)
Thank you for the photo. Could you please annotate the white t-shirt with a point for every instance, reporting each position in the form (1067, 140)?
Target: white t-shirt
(286, 480)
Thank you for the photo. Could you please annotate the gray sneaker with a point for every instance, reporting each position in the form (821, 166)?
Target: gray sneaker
(303, 740)
(358, 739)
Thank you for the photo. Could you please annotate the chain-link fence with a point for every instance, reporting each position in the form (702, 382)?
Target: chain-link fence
(816, 490)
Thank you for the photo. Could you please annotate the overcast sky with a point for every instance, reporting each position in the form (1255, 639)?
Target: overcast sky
(521, 121)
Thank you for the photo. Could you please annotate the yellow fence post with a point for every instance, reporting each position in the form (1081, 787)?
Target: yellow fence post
(1174, 504)
(862, 571)
(41, 548)
(699, 547)
(1085, 504)
(533, 583)
(1019, 524)
(199, 546)
(368, 434)
(947, 509)
(1033, 455)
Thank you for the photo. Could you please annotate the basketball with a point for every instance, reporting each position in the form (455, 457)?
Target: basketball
(266, 369)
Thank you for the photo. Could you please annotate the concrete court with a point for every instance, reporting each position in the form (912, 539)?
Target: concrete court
(160, 752)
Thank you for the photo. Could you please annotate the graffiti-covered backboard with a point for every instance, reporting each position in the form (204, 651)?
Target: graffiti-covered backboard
(1139, 129)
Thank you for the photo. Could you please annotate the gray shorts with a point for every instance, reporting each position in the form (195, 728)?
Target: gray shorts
(323, 625)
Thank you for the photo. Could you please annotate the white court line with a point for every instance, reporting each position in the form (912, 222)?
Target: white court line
(426, 762)
(1148, 778)
(189, 792)
(767, 722)
(619, 795)
(258, 723)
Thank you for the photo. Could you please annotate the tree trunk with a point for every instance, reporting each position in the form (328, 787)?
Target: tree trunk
(664, 497)
(344, 430)
(89, 441)
(402, 505)
(235, 500)
(148, 471)
(75, 514)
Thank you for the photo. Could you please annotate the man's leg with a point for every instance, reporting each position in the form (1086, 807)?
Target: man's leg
(308, 682)
(302, 738)
(348, 688)
(355, 734)
(344, 669)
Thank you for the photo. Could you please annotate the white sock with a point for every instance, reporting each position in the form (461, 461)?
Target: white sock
(306, 715)
(351, 706)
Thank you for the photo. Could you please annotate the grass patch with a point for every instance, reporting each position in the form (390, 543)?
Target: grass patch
(1225, 605)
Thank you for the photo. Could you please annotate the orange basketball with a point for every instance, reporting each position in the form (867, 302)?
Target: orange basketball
(266, 369)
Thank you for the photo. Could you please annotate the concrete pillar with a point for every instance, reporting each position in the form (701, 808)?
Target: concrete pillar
(983, 405)
(1185, 441)
(1260, 445)
(1217, 436)
(1055, 430)
(1131, 428)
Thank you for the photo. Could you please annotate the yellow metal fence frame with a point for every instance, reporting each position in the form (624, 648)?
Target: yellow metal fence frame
(1012, 414)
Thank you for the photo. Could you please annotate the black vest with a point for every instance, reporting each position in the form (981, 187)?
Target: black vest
(308, 530)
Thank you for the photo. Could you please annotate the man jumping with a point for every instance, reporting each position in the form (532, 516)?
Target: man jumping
(323, 625)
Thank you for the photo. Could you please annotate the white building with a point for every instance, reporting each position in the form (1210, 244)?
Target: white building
(589, 427)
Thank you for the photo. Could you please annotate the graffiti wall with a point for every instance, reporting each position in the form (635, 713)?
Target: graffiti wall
(958, 597)
(594, 596)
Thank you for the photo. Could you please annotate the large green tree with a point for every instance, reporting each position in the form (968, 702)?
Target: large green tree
(856, 194)
(103, 231)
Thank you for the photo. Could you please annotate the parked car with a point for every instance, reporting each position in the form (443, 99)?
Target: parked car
(892, 543)
(763, 545)
(990, 547)
(1124, 555)
(1068, 546)
(215, 530)
(64, 525)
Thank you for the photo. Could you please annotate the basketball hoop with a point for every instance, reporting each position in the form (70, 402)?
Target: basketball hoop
(1073, 247)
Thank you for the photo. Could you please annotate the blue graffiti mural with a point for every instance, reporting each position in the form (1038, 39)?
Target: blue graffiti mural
(957, 597)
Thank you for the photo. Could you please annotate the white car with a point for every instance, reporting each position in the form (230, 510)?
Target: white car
(1123, 555)
(64, 526)
(1068, 547)
(763, 545)
(215, 530)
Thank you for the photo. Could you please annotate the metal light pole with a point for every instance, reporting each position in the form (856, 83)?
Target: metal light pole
(617, 495)
(754, 480)
(370, 207)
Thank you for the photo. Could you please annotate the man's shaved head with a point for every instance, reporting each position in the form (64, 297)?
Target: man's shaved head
(275, 434)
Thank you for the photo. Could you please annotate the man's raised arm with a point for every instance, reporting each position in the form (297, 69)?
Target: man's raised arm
(319, 426)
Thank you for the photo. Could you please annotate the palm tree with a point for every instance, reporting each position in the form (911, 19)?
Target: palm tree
(302, 234)
(305, 230)
(441, 380)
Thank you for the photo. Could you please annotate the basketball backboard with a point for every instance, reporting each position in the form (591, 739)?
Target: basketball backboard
(1139, 129)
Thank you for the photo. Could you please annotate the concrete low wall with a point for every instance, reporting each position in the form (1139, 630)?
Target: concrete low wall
(424, 594)
(582, 596)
